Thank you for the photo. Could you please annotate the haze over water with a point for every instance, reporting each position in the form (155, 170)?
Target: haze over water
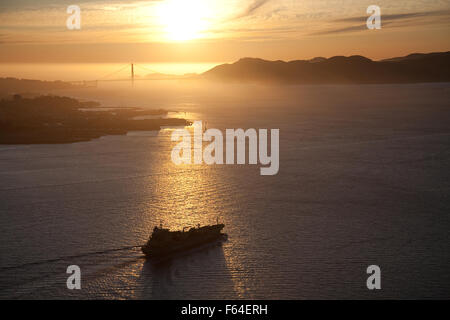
(363, 180)
(96, 71)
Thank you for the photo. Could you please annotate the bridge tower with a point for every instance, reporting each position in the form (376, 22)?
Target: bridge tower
(132, 74)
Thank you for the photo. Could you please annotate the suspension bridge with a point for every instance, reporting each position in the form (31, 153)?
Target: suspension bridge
(131, 75)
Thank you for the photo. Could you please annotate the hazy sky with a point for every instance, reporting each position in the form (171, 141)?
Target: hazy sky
(218, 30)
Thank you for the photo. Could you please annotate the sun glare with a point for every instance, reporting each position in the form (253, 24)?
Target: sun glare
(184, 20)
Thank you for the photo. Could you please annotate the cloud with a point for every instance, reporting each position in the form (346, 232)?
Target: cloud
(255, 6)
(33, 5)
(387, 19)
(362, 27)
(252, 8)
(400, 16)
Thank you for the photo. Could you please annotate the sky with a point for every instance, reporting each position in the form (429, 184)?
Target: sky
(167, 31)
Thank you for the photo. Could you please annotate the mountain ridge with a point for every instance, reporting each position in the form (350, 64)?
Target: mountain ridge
(413, 68)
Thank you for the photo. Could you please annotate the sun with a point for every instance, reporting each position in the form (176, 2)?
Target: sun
(184, 20)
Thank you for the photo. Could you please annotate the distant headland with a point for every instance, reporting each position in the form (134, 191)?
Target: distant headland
(14, 85)
(53, 119)
(414, 68)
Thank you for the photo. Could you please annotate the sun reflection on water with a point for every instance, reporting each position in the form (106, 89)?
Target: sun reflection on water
(186, 196)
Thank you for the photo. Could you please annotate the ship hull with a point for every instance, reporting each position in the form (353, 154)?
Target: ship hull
(191, 240)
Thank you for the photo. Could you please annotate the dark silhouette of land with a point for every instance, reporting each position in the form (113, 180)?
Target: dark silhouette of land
(53, 119)
(414, 68)
(13, 85)
(27, 119)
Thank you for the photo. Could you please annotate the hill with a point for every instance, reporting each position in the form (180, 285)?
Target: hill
(414, 68)
(14, 85)
(54, 119)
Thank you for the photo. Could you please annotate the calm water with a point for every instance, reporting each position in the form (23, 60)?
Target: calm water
(364, 179)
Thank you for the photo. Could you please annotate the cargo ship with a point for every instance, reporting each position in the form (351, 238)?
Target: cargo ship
(163, 242)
